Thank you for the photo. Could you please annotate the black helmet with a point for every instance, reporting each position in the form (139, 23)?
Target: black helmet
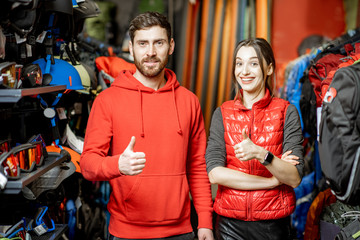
(61, 6)
(31, 76)
(86, 9)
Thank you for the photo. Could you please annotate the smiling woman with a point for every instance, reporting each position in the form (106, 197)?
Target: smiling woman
(249, 74)
(248, 152)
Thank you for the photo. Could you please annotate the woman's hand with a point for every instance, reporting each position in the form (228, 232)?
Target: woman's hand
(246, 150)
(290, 158)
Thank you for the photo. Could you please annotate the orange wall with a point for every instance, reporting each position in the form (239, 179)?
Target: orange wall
(293, 20)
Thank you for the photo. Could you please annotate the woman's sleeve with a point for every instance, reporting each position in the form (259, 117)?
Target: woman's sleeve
(293, 137)
(216, 151)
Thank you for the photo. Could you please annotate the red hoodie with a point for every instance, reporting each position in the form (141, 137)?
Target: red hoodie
(169, 128)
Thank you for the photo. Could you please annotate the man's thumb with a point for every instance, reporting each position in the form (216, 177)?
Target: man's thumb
(245, 136)
(131, 144)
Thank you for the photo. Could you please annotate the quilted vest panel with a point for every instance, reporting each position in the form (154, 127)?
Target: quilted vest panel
(264, 124)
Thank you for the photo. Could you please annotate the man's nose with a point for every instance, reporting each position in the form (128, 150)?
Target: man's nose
(151, 50)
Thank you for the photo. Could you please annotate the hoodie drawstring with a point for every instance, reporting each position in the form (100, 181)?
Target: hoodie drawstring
(179, 131)
(141, 113)
(176, 110)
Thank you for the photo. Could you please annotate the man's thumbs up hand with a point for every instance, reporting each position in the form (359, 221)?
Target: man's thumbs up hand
(130, 162)
(131, 144)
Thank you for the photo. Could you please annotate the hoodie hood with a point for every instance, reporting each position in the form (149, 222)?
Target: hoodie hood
(128, 81)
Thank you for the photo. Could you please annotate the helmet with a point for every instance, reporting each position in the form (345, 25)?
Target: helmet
(63, 73)
(62, 6)
(86, 9)
(31, 76)
(92, 74)
(88, 77)
(84, 76)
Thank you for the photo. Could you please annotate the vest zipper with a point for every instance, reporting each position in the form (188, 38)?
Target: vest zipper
(250, 197)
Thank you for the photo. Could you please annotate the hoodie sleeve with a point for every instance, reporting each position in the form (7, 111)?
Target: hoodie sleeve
(95, 163)
(200, 187)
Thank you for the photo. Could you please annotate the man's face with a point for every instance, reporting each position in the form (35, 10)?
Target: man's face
(151, 50)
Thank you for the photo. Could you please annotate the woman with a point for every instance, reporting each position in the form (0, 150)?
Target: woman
(248, 136)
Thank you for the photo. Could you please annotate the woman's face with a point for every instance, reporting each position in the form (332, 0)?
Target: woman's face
(248, 70)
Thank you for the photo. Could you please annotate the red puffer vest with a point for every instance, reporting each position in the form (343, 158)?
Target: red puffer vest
(264, 124)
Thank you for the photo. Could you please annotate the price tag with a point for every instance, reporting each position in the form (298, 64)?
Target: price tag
(40, 229)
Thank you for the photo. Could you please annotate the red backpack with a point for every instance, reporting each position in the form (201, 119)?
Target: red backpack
(322, 65)
(352, 57)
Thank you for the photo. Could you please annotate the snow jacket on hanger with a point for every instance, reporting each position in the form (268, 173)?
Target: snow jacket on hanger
(264, 124)
(169, 128)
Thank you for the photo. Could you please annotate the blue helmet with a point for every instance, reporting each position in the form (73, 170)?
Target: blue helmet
(62, 73)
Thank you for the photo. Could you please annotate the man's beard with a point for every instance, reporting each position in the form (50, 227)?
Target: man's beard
(150, 71)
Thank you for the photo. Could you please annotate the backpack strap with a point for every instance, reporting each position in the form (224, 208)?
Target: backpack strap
(351, 231)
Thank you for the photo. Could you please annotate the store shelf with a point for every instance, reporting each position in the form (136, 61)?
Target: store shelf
(15, 186)
(14, 95)
(56, 234)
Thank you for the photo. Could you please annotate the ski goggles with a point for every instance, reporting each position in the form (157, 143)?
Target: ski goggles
(36, 139)
(8, 74)
(11, 168)
(4, 146)
(17, 231)
(43, 221)
(22, 158)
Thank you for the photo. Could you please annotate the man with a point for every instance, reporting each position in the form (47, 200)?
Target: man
(146, 136)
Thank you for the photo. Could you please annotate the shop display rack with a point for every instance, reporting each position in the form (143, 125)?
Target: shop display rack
(53, 160)
(15, 186)
(54, 235)
(14, 95)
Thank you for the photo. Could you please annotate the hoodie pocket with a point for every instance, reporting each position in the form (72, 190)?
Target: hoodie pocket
(155, 199)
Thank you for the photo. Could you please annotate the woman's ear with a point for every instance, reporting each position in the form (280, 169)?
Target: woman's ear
(270, 69)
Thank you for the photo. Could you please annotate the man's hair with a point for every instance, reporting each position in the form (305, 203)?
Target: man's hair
(147, 20)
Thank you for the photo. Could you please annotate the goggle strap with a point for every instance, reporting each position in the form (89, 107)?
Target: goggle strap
(14, 233)
(11, 229)
(53, 226)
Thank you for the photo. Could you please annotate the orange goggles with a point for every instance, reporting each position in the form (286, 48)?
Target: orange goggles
(4, 146)
(11, 167)
(24, 157)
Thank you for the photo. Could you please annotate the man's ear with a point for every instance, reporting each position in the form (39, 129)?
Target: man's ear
(131, 48)
(172, 46)
(270, 70)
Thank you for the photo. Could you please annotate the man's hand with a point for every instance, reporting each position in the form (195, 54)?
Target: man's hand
(205, 234)
(130, 162)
